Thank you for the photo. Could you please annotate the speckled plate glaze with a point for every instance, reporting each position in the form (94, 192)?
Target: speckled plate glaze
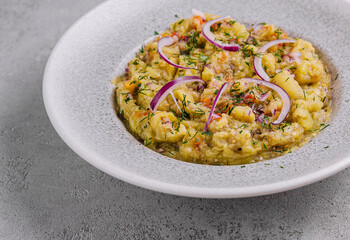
(78, 96)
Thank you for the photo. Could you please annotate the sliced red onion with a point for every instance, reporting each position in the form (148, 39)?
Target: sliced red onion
(292, 57)
(216, 116)
(295, 55)
(167, 41)
(218, 95)
(233, 47)
(260, 118)
(174, 99)
(200, 87)
(160, 150)
(274, 112)
(287, 59)
(253, 107)
(263, 97)
(250, 40)
(165, 120)
(212, 67)
(129, 96)
(196, 12)
(169, 87)
(281, 92)
(257, 62)
(260, 108)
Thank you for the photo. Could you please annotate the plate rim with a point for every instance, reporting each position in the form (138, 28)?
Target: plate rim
(169, 188)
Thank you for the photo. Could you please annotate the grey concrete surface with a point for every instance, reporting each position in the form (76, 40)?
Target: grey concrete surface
(48, 192)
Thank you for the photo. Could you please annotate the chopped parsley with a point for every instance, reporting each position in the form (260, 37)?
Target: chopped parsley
(184, 113)
(248, 64)
(148, 141)
(336, 77)
(203, 58)
(323, 127)
(142, 49)
(187, 140)
(127, 100)
(122, 115)
(198, 112)
(230, 110)
(278, 32)
(249, 52)
(135, 62)
(232, 22)
(206, 133)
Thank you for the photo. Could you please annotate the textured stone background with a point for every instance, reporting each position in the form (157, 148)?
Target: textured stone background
(48, 192)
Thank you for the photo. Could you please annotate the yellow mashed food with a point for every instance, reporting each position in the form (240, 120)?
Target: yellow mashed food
(234, 136)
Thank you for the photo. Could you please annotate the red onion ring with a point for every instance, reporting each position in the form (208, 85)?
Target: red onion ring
(218, 95)
(233, 47)
(257, 62)
(169, 87)
(281, 92)
(167, 41)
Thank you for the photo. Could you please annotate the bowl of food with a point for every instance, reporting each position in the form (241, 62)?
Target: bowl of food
(214, 103)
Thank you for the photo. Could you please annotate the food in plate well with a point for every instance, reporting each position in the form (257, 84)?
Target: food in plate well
(211, 90)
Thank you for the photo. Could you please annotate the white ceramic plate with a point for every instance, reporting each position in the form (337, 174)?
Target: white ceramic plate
(78, 96)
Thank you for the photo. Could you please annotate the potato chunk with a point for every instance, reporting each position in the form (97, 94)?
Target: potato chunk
(287, 134)
(304, 117)
(309, 72)
(243, 113)
(287, 82)
(166, 127)
(269, 63)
